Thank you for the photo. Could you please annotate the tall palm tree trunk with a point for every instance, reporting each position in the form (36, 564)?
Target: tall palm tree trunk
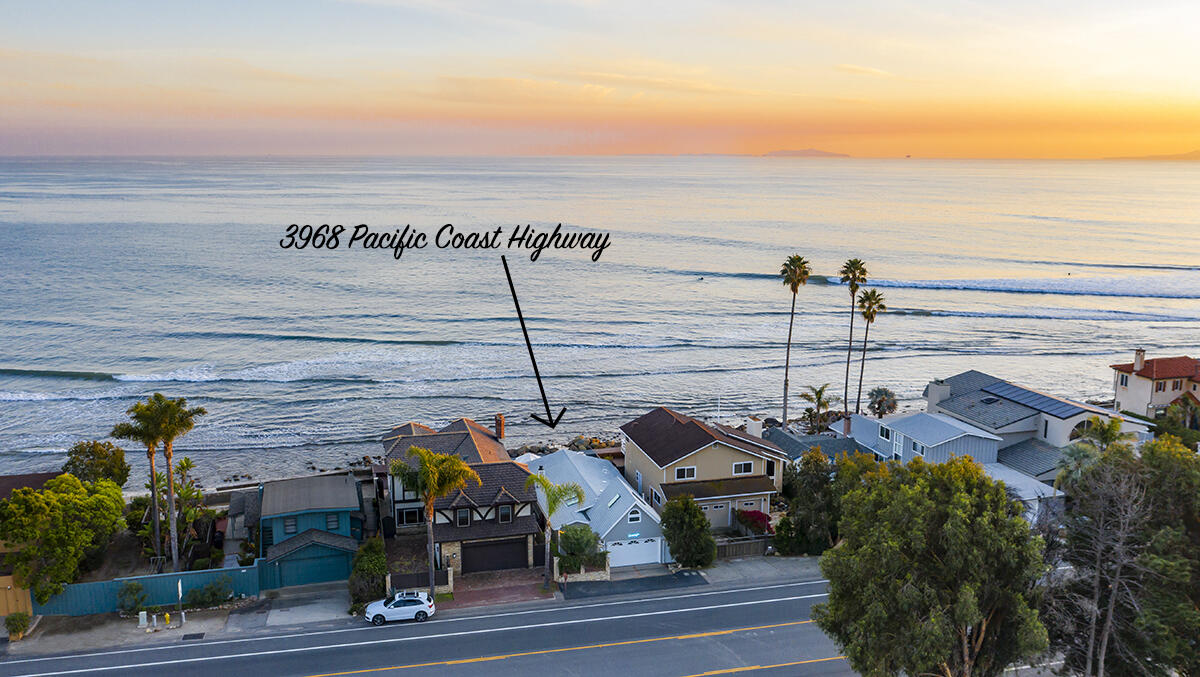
(170, 453)
(549, 563)
(154, 499)
(787, 361)
(861, 367)
(849, 354)
(429, 532)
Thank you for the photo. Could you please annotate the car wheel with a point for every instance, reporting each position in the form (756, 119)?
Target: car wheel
(378, 620)
(421, 616)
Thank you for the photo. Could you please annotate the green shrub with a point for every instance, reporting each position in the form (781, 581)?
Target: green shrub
(213, 594)
(579, 546)
(358, 608)
(688, 532)
(200, 564)
(368, 572)
(17, 623)
(135, 512)
(787, 541)
(216, 558)
(246, 559)
(131, 598)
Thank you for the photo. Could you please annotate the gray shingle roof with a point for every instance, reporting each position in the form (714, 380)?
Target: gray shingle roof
(667, 436)
(448, 531)
(509, 476)
(309, 537)
(796, 445)
(934, 429)
(248, 504)
(317, 492)
(1031, 457)
(462, 437)
(700, 489)
(986, 409)
(969, 381)
(608, 497)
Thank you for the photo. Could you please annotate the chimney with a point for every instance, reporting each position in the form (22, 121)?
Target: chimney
(1139, 359)
(754, 427)
(500, 426)
(935, 392)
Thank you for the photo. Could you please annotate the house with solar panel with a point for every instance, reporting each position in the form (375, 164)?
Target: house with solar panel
(1033, 427)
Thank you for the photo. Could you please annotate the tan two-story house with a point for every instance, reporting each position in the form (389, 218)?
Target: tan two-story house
(668, 454)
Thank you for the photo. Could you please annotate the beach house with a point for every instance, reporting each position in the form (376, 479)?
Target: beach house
(310, 528)
(628, 527)
(1147, 387)
(670, 454)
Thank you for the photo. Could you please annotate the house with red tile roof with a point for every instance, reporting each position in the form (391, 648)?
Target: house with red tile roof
(1148, 386)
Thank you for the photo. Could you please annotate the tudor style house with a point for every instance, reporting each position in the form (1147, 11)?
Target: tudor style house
(1147, 387)
(488, 526)
(668, 454)
(478, 528)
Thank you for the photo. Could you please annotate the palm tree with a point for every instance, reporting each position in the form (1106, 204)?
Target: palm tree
(435, 476)
(881, 401)
(141, 430)
(795, 273)
(821, 403)
(870, 303)
(172, 419)
(1075, 459)
(1103, 435)
(854, 273)
(557, 496)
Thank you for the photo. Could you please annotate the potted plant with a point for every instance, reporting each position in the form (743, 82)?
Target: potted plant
(17, 624)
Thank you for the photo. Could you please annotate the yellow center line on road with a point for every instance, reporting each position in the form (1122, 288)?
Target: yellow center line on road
(748, 668)
(483, 659)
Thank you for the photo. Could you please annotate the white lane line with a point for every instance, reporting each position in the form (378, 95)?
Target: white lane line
(392, 640)
(369, 628)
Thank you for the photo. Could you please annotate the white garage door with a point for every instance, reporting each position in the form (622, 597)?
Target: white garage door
(633, 551)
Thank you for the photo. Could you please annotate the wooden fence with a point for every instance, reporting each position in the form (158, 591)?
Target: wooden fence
(744, 546)
(13, 598)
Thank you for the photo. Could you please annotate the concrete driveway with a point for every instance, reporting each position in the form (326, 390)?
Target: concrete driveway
(310, 604)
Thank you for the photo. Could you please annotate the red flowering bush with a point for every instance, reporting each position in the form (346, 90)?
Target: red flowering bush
(756, 521)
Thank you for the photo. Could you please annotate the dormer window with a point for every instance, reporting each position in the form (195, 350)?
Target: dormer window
(635, 516)
(504, 514)
(463, 517)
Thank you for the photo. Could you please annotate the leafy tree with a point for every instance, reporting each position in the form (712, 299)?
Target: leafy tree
(140, 429)
(368, 572)
(688, 532)
(578, 546)
(49, 531)
(881, 401)
(1101, 434)
(94, 460)
(795, 272)
(870, 304)
(435, 476)
(812, 511)
(854, 274)
(850, 472)
(556, 496)
(935, 574)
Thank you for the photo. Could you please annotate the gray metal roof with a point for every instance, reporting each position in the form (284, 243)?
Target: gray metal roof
(986, 409)
(796, 445)
(934, 429)
(1025, 487)
(1047, 404)
(304, 494)
(1031, 457)
(608, 496)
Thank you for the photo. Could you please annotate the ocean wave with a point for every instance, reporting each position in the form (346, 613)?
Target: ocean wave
(56, 373)
(1050, 314)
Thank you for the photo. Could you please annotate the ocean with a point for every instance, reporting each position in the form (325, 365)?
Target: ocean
(123, 277)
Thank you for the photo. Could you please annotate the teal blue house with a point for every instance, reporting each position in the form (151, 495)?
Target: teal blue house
(309, 529)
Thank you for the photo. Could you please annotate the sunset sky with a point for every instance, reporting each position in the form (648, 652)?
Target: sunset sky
(937, 78)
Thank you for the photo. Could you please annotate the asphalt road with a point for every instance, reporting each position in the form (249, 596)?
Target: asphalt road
(756, 631)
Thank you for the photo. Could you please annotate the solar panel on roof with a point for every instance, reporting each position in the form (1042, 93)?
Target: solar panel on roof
(1043, 403)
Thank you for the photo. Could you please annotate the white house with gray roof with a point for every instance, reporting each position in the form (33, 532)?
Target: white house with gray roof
(628, 527)
(1033, 426)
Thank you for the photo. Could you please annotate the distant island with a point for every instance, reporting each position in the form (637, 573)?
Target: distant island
(1193, 156)
(807, 152)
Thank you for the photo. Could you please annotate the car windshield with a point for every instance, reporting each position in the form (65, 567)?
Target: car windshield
(389, 600)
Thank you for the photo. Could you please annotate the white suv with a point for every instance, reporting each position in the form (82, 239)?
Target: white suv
(402, 606)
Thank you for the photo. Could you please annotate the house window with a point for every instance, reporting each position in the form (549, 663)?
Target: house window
(463, 517)
(1124, 380)
(505, 514)
(918, 448)
(1160, 386)
(743, 468)
(1177, 385)
(719, 506)
(658, 499)
(688, 473)
(332, 521)
(885, 433)
(749, 504)
(770, 468)
(410, 516)
(289, 525)
(638, 474)
(635, 516)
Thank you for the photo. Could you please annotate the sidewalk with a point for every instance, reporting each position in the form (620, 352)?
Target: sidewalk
(763, 570)
(496, 587)
(75, 634)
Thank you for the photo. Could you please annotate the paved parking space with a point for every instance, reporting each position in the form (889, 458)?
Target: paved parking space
(585, 589)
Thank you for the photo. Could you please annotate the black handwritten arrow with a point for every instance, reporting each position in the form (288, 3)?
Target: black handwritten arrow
(550, 420)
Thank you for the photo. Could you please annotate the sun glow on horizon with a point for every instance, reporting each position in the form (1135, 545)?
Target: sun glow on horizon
(951, 79)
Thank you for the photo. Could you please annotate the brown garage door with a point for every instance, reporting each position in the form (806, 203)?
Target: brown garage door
(493, 555)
